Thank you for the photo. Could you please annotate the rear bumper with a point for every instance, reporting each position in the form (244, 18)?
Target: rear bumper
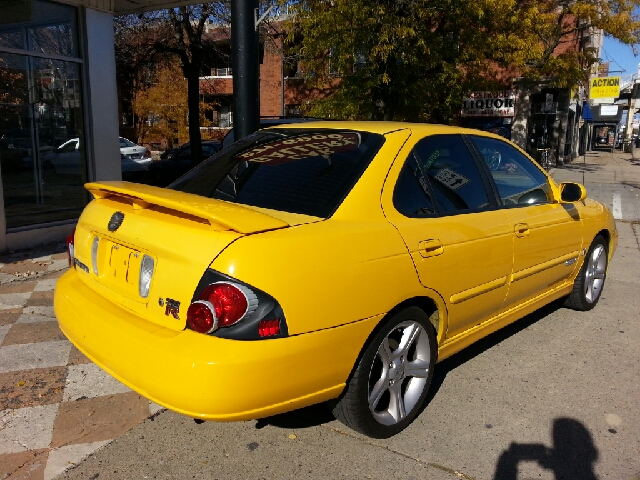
(202, 376)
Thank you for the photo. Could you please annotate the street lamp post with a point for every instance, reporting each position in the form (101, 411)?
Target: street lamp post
(246, 67)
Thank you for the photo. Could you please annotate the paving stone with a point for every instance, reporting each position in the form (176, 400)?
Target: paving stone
(34, 355)
(29, 318)
(76, 357)
(88, 380)
(40, 299)
(96, 419)
(28, 465)
(65, 457)
(27, 428)
(24, 333)
(45, 285)
(13, 300)
(10, 316)
(18, 287)
(28, 388)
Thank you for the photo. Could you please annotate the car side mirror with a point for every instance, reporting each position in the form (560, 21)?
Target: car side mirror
(572, 192)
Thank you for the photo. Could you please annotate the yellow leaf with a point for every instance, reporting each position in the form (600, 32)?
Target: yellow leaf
(292, 436)
(21, 383)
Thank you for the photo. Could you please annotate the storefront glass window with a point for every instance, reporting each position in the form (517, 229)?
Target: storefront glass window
(42, 156)
(12, 39)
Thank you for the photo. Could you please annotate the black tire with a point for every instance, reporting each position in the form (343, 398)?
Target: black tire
(588, 285)
(411, 347)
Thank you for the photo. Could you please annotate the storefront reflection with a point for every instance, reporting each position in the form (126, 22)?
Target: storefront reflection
(41, 127)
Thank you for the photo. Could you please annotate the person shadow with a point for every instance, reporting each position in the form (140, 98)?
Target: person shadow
(570, 458)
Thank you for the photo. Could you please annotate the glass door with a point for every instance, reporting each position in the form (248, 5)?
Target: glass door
(42, 159)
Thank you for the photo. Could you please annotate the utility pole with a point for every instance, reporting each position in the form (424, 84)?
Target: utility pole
(635, 92)
(245, 60)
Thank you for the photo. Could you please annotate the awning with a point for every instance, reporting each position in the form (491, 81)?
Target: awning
(587, 116)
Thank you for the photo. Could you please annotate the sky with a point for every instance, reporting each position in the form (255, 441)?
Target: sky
(620, 57)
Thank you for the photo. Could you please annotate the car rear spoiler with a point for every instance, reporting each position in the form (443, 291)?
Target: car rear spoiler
(219, 214)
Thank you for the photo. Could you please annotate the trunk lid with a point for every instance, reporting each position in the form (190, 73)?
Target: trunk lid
(181, 233)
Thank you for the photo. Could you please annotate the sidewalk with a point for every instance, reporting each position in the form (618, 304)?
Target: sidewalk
(56, 407)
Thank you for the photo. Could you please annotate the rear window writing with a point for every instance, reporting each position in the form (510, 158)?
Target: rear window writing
(293, 170)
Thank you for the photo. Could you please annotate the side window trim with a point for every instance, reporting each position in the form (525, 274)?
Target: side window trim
(484, 171)
(485, 175)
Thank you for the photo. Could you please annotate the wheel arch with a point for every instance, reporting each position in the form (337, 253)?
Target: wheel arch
(432, 309)
(606, 234)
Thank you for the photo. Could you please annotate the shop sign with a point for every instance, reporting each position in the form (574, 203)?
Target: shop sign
(489, 104)
(604, 87)
(608, 110)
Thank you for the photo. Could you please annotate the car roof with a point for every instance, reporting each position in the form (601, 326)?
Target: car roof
(382, 127)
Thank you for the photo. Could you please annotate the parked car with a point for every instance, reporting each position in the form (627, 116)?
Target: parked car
(135, 152)
(170, 152)
(132, 171)
(163, 172)
(331, 261)
(64, 160)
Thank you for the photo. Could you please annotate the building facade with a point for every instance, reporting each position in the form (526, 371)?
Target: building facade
(58, 112)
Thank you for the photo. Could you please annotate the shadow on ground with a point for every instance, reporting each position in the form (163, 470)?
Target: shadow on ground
(320, 414)
(35, 252)
(578, 166)
(570, 458)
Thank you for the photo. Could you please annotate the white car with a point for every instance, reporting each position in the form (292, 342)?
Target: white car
(65, 159)
(135, 152)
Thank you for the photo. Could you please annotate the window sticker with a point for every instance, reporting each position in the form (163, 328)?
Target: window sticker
(451, 179)
(426, 165)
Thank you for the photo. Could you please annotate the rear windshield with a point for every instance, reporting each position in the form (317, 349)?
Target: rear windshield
(293, 170)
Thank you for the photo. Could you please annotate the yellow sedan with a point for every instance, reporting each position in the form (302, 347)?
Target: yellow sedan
(326, 261)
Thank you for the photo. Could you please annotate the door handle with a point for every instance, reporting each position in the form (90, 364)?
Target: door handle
(430, 248)
(521, 230)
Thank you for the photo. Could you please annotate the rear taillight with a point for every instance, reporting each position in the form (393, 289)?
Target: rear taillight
(269, 328)
(147, 154)
(70, 253)
(231, 302)
(225, 307)
(201, 317)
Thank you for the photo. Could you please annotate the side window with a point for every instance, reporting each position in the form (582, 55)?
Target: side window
(518, 180)
(448, 175)
(411, 196)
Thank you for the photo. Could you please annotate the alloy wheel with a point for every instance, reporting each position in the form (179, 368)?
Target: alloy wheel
(399, 373)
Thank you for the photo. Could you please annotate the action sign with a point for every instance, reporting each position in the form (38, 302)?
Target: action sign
(604, 87)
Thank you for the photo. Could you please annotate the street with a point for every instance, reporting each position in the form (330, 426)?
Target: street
(553, 396)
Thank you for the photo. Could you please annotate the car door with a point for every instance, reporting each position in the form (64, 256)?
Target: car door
(547, 234)
(460, 243)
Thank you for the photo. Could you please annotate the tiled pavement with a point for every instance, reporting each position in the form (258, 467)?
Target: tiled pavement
(56, 407)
